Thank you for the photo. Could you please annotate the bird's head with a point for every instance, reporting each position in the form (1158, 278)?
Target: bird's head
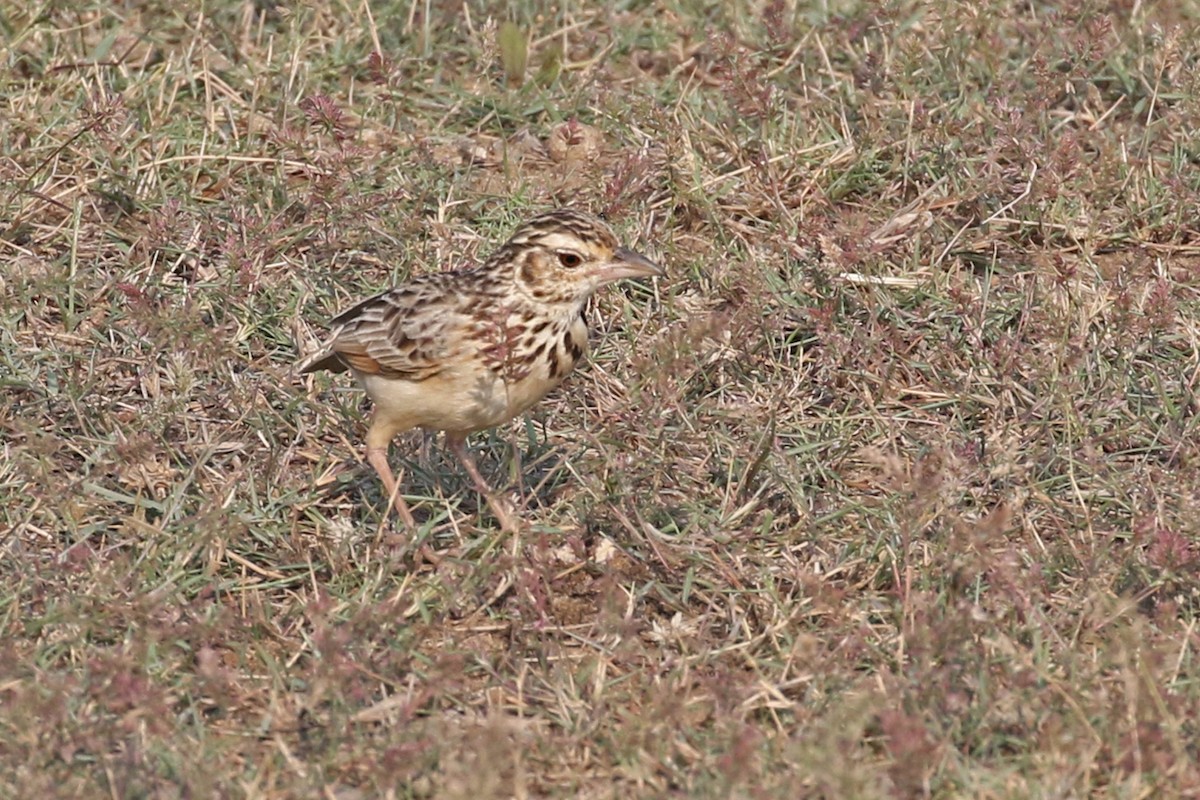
(563, 256)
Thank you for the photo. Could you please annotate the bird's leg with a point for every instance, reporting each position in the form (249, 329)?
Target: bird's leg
(508, 521)
(516, 461)
(377, 458)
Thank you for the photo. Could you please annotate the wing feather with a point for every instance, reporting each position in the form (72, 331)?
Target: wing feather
(409, 332)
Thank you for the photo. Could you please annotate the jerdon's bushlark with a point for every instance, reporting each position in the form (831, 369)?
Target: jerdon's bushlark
(467, 350)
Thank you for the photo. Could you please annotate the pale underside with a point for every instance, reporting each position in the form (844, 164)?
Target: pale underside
(465, 397)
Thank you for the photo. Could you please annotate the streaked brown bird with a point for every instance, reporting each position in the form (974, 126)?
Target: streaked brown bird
(467, 350)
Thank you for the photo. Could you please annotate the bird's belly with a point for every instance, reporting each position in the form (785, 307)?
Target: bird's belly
(461, 400)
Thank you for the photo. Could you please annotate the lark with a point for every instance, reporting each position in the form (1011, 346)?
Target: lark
(463, 351)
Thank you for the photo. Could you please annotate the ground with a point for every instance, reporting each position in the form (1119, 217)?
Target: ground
(888, 489)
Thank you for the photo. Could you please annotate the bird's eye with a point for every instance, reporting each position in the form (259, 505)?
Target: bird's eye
(569, 260)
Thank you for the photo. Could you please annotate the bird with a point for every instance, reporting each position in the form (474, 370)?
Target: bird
(466, 350)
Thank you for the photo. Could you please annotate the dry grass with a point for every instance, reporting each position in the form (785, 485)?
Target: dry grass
(890, 489)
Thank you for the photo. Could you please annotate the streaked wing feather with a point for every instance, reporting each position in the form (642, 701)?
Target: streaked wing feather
(404, 333)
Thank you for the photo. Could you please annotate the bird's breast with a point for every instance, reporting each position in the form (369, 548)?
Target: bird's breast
(537, 361)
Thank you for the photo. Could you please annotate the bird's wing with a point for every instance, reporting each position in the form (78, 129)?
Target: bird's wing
(409, 333)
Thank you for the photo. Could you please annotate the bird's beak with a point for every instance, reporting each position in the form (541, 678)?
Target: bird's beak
(627, 264)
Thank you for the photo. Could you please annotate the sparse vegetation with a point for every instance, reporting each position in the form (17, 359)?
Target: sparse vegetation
(889, 490)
